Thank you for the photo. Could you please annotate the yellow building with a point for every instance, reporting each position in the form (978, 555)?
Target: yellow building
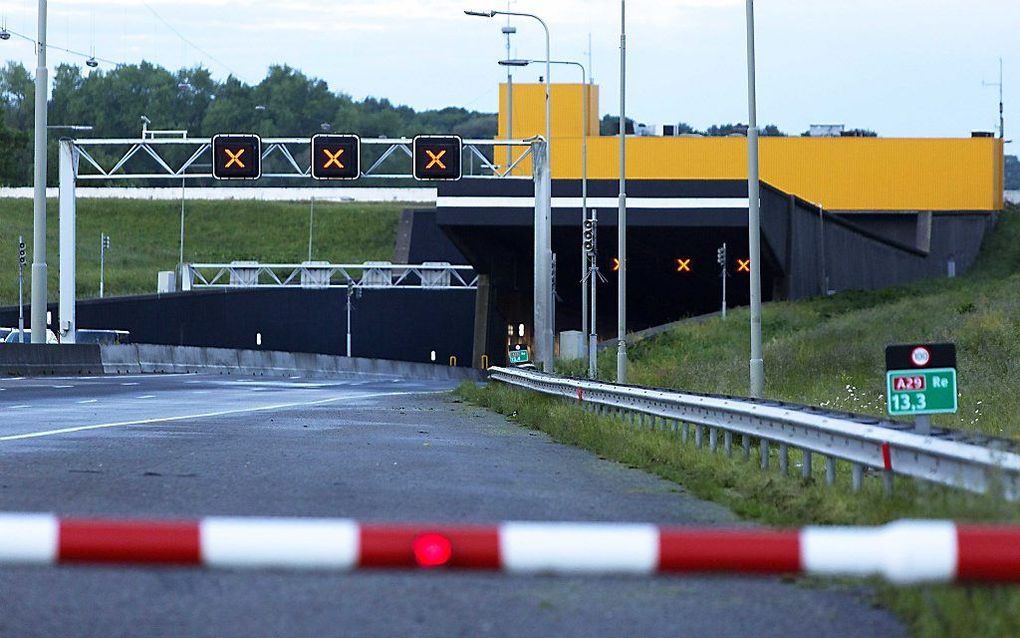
(839, 174)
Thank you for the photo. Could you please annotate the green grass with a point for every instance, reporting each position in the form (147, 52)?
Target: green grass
(830, 351)
(145, 238)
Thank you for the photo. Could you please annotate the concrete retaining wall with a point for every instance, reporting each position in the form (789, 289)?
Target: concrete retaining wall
(144, 359)
(32, 360)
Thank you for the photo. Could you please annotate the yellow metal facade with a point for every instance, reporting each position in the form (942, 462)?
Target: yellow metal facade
(862, 174)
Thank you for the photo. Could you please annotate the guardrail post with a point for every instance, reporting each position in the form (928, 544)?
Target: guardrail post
(830, 470)
(685, 433)
(675, 426)
(698, 435)
(728, 442)
(784, 459)
(857, 473)
(764, 454)
(746, 443)
(713, 439)
(887, 482)
(641, 419)
(805, 471)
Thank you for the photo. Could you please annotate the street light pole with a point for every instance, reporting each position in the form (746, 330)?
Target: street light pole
(39, 293)
(544, 300)
(757, 363)
(621, 224)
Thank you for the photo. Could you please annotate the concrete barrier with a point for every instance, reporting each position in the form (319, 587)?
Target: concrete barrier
(18, 359)
(156, 359)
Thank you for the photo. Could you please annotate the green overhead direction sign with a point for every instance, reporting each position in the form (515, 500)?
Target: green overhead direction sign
(921, 379)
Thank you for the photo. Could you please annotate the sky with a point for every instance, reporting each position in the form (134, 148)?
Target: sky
(903, 68)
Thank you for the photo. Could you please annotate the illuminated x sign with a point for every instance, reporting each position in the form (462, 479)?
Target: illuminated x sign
(336, 157)
(437, 157)
(237, 156)
(743, 265)
(616, 264)
(683, 265)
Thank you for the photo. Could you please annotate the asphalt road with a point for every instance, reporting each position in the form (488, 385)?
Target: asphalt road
(374, 449)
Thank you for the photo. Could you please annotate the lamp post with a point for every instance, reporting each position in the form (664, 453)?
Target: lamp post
(39, 293)
(585, 97)
(757, 363)
(543, 304)
(621, 224)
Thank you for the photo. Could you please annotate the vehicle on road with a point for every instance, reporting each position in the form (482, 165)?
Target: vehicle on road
(102, 337)
(15, 337)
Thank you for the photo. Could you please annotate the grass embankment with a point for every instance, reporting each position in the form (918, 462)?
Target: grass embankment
(145, 238)
(830, 352)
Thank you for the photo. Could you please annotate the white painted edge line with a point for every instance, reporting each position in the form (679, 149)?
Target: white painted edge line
(206, 415)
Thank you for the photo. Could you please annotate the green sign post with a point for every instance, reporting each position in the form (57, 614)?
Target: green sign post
(915, 392)
(518, 357)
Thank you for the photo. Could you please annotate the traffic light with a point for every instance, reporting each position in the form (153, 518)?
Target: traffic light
(237, 156)
(589, 237)
(106, 242)
(22, 257)
(437, 157)
(720, 256)
(336, 156)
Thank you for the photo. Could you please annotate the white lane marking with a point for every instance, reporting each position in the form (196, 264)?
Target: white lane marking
(62, 387)
(130, 384)
(19, 407)
(207, 415)
(147, 396)
(88, 401)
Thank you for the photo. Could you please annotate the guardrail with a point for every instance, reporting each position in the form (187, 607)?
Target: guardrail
(972, 462)
(903, 553)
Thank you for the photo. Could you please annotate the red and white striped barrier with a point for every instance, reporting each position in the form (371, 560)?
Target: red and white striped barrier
(902, 552)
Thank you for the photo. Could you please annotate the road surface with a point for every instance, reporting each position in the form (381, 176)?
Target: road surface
(374, 449)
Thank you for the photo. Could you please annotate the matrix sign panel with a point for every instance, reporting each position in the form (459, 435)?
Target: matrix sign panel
(921, 379)
(336, 157)
(437, 157)
(237, 156)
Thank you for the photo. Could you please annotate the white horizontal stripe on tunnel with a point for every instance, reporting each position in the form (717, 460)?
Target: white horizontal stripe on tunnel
(655, 203)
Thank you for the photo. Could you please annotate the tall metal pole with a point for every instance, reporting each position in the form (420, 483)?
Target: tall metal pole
(102, 264)
(68, 213)
(181, 256)
(1002, 116)
(584, 200)
(311, 225)
(757, 363)
(21, 292)
(509, 30)
(550, 327)
(593, 275)
(543, 261)
(350, 291)
(39, 296)
(621, 226)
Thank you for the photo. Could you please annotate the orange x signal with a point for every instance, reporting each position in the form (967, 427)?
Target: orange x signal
(333, 158)
(743, 265)
(235, 158)
(683, 265)
(616, 264)
(435, 159)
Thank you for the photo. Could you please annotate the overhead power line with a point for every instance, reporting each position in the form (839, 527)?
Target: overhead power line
(186, 40)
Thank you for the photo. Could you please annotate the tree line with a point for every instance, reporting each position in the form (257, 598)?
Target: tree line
(285, 103)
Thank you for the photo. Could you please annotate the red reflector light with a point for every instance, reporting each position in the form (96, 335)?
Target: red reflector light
(432, 550)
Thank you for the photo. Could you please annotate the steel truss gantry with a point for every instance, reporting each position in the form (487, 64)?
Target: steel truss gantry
(173, 159)
(313, 274)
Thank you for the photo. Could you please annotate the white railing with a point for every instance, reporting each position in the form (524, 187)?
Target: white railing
(972, 462)
(371, 274)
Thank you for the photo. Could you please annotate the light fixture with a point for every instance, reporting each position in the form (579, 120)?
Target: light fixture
(92, 62)
(514, 62)
(5, 34)
(482, 14)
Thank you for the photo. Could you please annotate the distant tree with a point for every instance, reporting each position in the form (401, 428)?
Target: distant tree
(1012, 173)
(610, 125)
(859, 132)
